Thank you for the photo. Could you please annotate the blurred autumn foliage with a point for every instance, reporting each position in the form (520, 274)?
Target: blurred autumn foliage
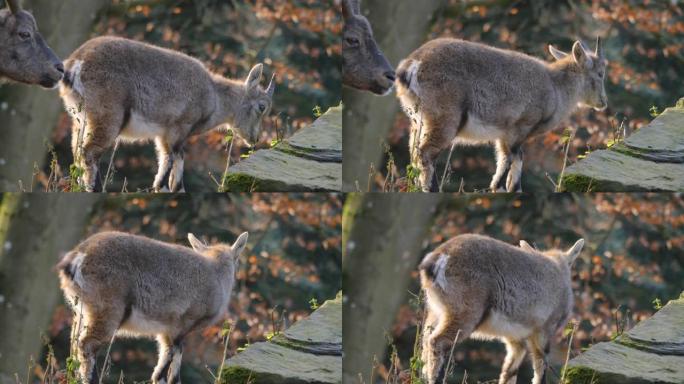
(293, 256)
(297, 40)
(644, 43)
(632, 261)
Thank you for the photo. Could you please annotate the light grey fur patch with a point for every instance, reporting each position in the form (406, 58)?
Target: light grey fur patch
(76, 269)
(440, 271)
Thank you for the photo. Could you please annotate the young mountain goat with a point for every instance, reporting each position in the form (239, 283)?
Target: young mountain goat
(458, 91)
(364, 66)
(488, 289)
(130, 285)
(134, 91)
(24, 55)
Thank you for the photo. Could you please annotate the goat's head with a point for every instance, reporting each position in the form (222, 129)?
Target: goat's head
(255, 105)
(364, 66)
(24, 55)
(592, 69)
(226, 254)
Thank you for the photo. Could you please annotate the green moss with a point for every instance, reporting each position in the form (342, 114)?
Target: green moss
(578, 183)
(239, 182)
(580, 375)
(236, 375)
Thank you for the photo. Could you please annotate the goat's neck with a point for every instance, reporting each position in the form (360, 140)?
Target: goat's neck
(568, 82)
(229, 96)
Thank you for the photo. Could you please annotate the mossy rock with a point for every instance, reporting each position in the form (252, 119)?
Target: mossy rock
(651, 352)
(309, 161)
(651, 159)
(308, 352)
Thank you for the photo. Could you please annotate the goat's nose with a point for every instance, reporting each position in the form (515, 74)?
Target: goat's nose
(391, 76)
(59, 67)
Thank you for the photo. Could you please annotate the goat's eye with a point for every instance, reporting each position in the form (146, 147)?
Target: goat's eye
(262, 107)
(24, 35)
(352, 41)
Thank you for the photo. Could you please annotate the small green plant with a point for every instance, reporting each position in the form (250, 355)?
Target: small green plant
(317, 111)
(657, 304)
(75, 174)
(412, 175)
(653, 111)
(226, 329)
(72, 366)
(244, 347)
(275, 142)
(313, 303)
(248, 154)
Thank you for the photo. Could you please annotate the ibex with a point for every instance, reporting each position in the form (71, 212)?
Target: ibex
(364, 66)
(138, 92)
(456, 91)
(24, 56)
(121, 284)
(476, 286)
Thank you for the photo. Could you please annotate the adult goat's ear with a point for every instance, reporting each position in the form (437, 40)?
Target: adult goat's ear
(14, 5)
(350, 8)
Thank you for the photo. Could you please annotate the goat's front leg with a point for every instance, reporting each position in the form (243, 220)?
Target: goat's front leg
(503, 166)
(165, 162)
(514, 180)
(515, 353)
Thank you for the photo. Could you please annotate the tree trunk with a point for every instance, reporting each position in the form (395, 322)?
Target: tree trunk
(28, 114)
(35, 230)
(384, 235)
(400, 27)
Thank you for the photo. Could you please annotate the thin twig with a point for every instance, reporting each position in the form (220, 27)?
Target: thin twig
(447, 167)
(109, 168)
(451, 355)
(222, 188)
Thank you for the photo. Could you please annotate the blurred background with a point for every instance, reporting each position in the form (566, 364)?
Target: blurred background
(644, 43)
(631, 265)
(298, 40)
(292, 264)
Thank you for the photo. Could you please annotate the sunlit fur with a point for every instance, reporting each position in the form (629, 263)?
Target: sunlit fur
(132, 91)
(470, 93)
(126, 285)
(485, 288)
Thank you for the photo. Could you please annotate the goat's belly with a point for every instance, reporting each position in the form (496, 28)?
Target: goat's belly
(477, 131)
(499, 325)
(139, 324)
(140, 129)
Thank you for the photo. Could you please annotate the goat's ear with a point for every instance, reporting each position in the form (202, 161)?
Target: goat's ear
(14, 5)
(240, 244)
(556, 53)
(580, 55)
(525, 246)
(575, 251)
(254, 77)
(350, 8)
(196, 243)
(271, 87)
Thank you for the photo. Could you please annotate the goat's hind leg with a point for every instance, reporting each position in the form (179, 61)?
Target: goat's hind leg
(100, 135)
(514, 180)
(437, 134)
(176, 175)
(98, 331)
(538, 345)
(165, 163)
(503, 166)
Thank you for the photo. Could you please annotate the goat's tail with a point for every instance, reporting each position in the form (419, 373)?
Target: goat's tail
(433, 269)
(407, 75)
